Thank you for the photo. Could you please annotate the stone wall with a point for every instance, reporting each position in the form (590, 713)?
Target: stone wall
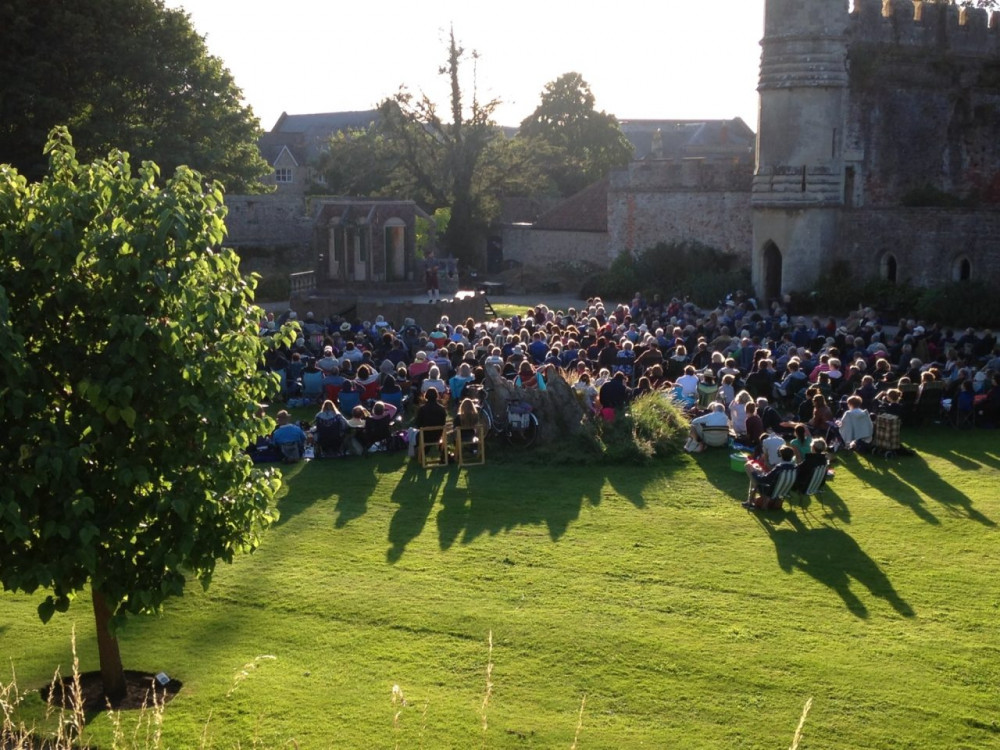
(271, 219)
(639, 220)
(926, 243)
(537, 248)
(668, 200)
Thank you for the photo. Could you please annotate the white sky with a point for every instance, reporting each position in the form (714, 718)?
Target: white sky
(667, 59)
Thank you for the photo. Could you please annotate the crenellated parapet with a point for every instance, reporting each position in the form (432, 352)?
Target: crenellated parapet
(693, 174)
(939, 27)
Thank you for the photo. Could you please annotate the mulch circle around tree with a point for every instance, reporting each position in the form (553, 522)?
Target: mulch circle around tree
(139, 687)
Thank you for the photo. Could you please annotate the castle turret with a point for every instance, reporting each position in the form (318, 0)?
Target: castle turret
(798, 186)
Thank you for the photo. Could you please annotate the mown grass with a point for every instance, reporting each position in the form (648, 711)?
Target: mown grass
(683, 620)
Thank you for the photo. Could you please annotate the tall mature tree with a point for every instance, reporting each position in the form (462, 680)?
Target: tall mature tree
(128, 74)
(584, 144)
(443, 156)
(129, 384)
(460, 160)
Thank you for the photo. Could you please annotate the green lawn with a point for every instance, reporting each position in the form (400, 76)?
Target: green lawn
(684, 620)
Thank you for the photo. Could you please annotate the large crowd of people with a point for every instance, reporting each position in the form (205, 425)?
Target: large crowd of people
(768, 375)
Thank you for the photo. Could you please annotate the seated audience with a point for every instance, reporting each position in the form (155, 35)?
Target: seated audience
(856, 428)
(763, 484)
(715, 417)
(289, 438)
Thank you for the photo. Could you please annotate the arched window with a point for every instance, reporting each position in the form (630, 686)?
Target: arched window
(961, 269)
(889, 270)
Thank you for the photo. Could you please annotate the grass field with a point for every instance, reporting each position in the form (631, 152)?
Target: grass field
(683, 620)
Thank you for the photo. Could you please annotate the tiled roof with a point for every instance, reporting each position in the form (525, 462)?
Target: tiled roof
(681, 138)
(525, 209)
(587, 211)
(306, 135)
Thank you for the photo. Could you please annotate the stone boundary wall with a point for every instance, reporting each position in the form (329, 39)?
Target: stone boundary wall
(639, 220)
(926, 243)
(538, 248)
(271, 219)
(694, 174)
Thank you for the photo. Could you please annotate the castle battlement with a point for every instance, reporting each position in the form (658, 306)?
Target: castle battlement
(691, 174)
(935, 26)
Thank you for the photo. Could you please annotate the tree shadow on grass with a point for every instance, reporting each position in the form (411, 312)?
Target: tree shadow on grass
(833, 558)
(415, 495)
(494, 501)
(908, 480)
(351, 478)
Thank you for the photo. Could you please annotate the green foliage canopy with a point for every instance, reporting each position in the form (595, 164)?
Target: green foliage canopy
(583, 145)
(129, 384)
(126, 74)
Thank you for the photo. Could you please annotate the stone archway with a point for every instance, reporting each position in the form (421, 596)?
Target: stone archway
(961, 269)
(772, 262)
(889, 268)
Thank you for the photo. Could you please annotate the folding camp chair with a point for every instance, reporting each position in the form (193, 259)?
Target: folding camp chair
(430, 439)
(809, 480)
(470, 445)
(774, 499)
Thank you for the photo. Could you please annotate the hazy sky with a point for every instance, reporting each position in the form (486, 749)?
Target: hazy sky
(666, 59)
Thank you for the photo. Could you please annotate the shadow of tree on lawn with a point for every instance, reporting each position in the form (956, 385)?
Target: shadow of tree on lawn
(832, 557)
(352, 479)
(496, 501)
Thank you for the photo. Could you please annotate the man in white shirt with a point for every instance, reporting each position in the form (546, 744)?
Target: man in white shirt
(688, 382)
(715, 417)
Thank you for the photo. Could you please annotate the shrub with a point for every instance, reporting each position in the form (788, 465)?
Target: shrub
(661, 423)
(682, 269)
(960, 303)
(652, 427)
(956, 303)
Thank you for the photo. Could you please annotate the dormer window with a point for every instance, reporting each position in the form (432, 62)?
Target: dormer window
(283, 174)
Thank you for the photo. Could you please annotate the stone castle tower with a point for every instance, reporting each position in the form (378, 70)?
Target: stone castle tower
(798, 186)
(878, 144)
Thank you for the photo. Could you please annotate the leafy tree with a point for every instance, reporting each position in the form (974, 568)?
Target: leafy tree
(461, 161)
(129, 386)
(358, 162)
(583, 144)
(430, 228)
(129, 74)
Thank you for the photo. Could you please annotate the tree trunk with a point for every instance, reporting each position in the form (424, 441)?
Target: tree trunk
(112, 671)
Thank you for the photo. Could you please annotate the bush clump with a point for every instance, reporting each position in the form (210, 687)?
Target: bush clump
(652, 427)
(677, 269)
(953, 303)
